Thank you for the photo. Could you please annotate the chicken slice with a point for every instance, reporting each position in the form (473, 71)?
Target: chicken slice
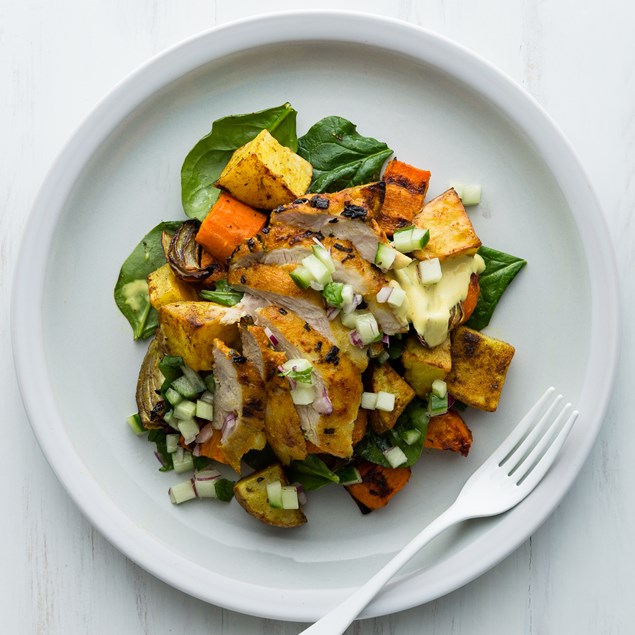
(336, 378)
(239, 403)
(272, 284)
(282, 423)
(348, 215)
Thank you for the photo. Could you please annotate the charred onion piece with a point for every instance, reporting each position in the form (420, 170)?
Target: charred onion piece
(149, 402)
(184, 254)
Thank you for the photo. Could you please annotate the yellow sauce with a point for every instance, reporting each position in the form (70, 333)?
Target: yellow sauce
(428, 306)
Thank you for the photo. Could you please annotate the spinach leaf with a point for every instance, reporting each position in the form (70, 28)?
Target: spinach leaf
(312, 472)
(224, 489)
(131, 289)
(206, 160)
(222, 294)
(373, 445)
(340, 156)
(157, 436)
(500, 270)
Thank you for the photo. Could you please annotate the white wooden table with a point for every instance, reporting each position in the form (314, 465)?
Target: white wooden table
(575, 575)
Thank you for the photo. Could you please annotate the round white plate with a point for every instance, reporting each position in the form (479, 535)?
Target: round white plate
(439, 107)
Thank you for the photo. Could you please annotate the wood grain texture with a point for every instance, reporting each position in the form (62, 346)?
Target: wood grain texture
(575, 575)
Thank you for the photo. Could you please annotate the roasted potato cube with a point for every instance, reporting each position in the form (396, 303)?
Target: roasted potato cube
(385, 378)
(190, 328)
(164, 287)
(423, 365)
(451, 230)
(251, 494)
(479, 366)
(448, 432)
(264, 174)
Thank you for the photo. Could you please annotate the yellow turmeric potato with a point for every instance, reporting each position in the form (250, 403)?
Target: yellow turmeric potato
(190, 328)
(479, 367)
(423, 365)
(386, 379)
(164, 287)
(265, 174)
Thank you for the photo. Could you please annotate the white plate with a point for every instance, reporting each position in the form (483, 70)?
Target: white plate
(439, 107)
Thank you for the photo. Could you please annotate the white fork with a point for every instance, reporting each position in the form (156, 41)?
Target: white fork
(505, 479)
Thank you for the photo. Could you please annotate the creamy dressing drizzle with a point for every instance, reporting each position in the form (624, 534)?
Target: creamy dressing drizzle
(136, 294)
(428, 307)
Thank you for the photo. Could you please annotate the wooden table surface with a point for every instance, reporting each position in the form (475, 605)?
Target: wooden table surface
(58, 576)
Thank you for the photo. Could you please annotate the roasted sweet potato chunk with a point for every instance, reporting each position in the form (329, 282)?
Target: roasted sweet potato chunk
(448, 432)
(379, 484)
(451, 230)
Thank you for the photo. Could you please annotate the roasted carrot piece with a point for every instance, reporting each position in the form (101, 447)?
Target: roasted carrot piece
(227, 224)
(448, 432)
(406, 188)
(379, 484)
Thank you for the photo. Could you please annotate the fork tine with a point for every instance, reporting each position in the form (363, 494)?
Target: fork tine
(519, 431)
(514, 459)
(540, 469)
(527, 462)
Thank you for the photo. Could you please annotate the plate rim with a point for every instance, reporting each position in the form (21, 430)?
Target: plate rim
(128, 94)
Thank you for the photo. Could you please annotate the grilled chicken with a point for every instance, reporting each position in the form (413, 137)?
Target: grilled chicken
(271, 284)
(282, 423)
(335, 376)
(239, 403)
(347, 215)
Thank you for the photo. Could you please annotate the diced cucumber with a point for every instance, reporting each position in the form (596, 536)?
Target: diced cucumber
(437, 405)
(430, 271)
(420, 238)
(385, 401)
(333, 294)
(188, 428)
(298, 369)
(172, 442)
(395, 456)
(168, 417)
(204, 410)
(207, 396)
(471, 194)
(302, 277)
(439, 388)
(173, 397)
(349, 320)
(318, 270)
(182, 492)
(134, 421)
(397, 297)
(322, 254)
(348, 294)
(369, 400)
(184, 387)
(368, 329)
(182, 460)
(411, 436)
(185, 409)
(385, 256)
(303, 395)
(194, 378)
(457, 186)
(290, 497)
(410, 239)
(274, 494)
(205, 483)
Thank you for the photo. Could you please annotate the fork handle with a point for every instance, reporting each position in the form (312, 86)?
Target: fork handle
(336, 621)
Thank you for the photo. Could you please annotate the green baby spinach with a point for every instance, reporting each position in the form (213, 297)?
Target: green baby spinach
(131, 289)
(500, 270)
(206, 160)
(340, 156)
(373, 445)
(312, 473)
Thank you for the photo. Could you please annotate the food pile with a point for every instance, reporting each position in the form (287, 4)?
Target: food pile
(315, 322)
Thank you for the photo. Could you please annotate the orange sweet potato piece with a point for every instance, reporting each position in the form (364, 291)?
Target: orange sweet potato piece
(448, 432)
(406, 188)
(379, 484)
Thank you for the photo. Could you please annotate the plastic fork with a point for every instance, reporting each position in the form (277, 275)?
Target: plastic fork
(504, 480)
